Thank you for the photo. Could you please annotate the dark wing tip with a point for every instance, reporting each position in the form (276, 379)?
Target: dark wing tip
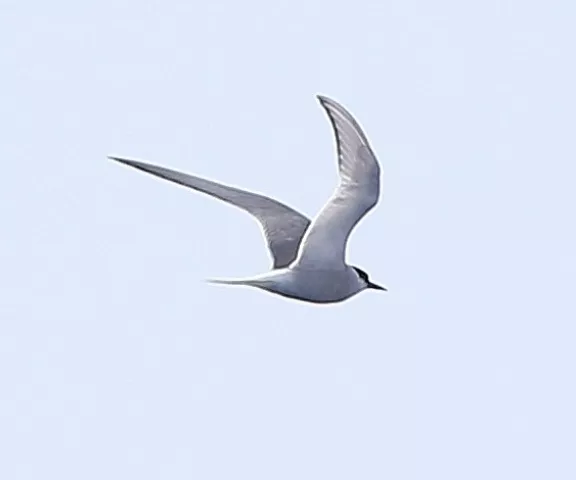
(130, 161)
(332, 106)
(330, 102)
(327, 101)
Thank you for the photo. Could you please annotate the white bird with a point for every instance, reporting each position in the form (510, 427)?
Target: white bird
(308, 257)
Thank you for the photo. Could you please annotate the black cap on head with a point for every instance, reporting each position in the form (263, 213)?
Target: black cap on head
(364, 276)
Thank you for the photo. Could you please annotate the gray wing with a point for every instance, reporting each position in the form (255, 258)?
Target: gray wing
(325, 241)
(283, 227)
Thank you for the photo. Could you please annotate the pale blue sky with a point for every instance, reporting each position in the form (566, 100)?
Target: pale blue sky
(117, 361)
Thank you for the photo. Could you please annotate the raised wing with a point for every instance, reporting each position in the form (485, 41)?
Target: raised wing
(283, 226)
(324, 243)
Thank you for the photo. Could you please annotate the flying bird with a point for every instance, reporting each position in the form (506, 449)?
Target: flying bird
(308, 257)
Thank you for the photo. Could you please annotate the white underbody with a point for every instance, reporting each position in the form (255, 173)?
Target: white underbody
(312, 285)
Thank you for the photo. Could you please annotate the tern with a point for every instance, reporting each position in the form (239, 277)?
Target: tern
(308, 257)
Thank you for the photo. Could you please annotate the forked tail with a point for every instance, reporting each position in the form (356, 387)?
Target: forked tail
(229, 281)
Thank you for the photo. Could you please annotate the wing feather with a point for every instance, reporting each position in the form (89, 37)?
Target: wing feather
(357, 193)
(283, 227)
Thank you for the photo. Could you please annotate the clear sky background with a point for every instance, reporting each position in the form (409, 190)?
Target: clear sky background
(117, 361)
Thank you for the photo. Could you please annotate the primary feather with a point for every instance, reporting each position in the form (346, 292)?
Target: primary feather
(325, 240)
(283, 227)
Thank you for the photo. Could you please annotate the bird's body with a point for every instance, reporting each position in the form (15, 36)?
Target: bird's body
(308, 256)
(308, 284)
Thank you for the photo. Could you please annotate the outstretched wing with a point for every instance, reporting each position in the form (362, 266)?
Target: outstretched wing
(283, 226)
(325, 241)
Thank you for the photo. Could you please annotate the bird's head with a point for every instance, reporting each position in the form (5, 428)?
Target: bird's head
(363, 276)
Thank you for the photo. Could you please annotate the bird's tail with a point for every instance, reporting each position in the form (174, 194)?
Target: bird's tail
(261, 281)
(229, 281)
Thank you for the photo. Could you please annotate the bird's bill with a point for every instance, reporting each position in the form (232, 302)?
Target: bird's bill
(376, 287)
